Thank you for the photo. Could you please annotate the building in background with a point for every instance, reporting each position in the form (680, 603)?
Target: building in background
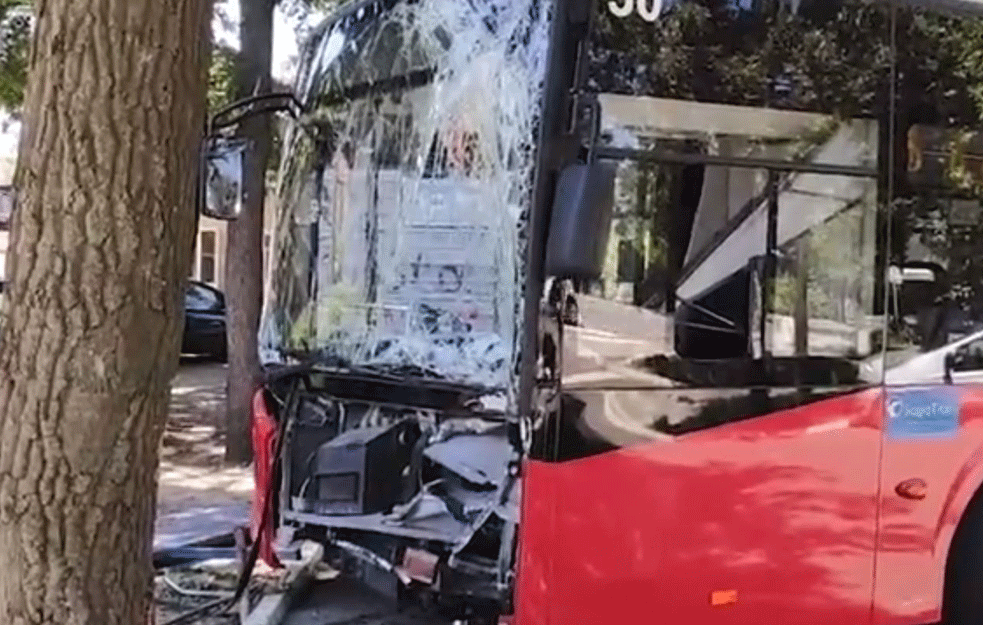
(207, 263)
(211, 245)
(7, 166)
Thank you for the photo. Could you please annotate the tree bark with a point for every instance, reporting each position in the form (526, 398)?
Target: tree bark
(244, 256)
(100, 249)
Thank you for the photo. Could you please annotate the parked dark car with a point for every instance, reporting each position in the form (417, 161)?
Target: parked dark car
(204, 322)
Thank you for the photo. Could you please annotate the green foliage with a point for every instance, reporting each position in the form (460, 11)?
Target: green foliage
(709, 52)
(220, 78)
(833, 57)
(14, 45)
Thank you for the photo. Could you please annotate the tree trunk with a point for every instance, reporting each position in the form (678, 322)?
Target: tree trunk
(244, 256)
(99, 255)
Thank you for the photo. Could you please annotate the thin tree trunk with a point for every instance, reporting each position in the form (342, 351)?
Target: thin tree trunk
(800, 310)
(99, 254)
(244, 256)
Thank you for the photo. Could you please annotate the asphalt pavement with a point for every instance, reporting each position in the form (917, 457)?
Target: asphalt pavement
(198, 494)
(344, 602)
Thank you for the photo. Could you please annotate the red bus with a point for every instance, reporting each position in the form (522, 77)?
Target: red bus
(603, 312)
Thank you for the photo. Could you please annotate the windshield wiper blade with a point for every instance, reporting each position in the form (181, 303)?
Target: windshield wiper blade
(328, 358)
(310, 361)
(327, 361)
(408, 370)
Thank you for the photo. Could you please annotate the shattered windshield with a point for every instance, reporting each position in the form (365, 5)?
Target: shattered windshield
(404, 193)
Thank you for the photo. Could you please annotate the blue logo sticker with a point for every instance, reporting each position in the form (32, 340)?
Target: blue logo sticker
(923, 413)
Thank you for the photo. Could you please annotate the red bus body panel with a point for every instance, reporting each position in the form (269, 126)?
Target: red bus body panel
(915, 536)
(264, 435)
(772, 516)
(785, 517)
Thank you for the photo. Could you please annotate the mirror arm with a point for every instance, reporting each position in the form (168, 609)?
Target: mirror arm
(292, 106)
(246, 115)
(278, 95)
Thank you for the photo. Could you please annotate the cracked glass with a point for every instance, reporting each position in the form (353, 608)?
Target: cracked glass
(405, 190)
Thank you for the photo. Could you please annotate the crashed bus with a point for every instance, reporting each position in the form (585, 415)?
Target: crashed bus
(596, 311)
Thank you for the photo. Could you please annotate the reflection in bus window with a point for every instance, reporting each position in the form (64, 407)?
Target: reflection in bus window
(968, 358)
(745, 269)
(686, 277)
(782, 223)
(788, 54)
(935, 300)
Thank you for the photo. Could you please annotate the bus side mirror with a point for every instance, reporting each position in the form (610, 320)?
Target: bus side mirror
(222, 166)
(221, 170)
(579, 228)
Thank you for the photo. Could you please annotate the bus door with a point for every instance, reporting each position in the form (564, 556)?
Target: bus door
(718, 433)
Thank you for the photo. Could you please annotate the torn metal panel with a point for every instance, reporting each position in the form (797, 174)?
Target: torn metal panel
(450, 518)
(397, 470)
(480, 460)
(443, 528)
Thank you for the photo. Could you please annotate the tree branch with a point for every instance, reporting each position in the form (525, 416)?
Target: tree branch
(235, 56)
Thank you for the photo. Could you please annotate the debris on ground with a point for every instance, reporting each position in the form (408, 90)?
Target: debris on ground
(201, 594)
(200, 597)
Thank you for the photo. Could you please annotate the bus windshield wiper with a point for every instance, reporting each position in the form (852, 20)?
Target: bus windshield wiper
(330, 362)
(311, 361)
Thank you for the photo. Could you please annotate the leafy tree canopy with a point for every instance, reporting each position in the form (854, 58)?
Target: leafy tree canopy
(818, 55)
(846, 58)
(15, 23)
(14, 31)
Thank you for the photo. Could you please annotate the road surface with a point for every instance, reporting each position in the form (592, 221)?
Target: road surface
(344, 602)
(198, 495)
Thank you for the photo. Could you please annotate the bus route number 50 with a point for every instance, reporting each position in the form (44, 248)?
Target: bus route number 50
(648, 10)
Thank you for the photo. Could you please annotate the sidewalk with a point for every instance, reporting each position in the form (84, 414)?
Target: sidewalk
(198, 495)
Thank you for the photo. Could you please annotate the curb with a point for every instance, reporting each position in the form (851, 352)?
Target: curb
(272, 609)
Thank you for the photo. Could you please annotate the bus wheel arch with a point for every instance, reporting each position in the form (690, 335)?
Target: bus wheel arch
(961, 603)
